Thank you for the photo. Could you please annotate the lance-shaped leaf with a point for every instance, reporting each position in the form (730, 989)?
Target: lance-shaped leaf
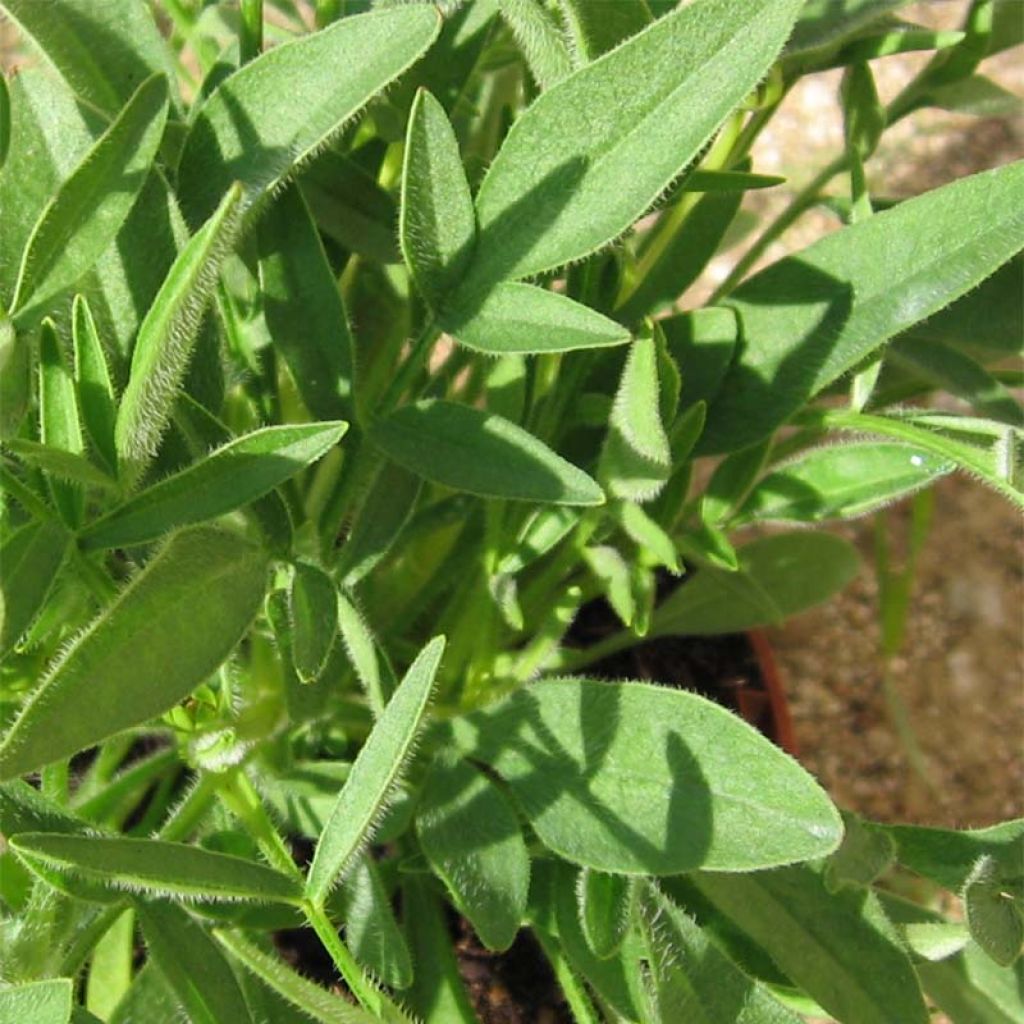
(85, 215)
(636, 459)
(228, 478)
(838, 947)
(170, 628)
(168, 334)
(265, 119)
(15, 378)
(605, 904)
(691, 979)
(371, 931)
(475, 451)
(193, 964)
(317, 1003)
(588, 157)
(24, 809)
(361, 649)
(374, 773)
(303, 307)
(41, 1002)
(632, 778)
(521, 318)
(313, 609)
(842, 481)
(97, 401)
(158, 867)
(437, 225)
(546, 51)
(812, 317)
(777, 577)
(103, 51)
(472, 839)
(60, 464)
(31, 559)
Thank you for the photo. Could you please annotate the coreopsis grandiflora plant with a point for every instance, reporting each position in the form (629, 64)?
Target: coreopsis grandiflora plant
(342, 364)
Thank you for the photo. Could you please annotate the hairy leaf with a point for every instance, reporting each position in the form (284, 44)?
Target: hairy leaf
(84, 216)
(605, 910)
(472, 450)
(313, 607)
(169, 629)
(41, 1002)
(162, 868)
(633, 778)
(589, 157)
(471, 838)
(97, 401)
(228, 478)
(274, 113)
(371, 931)
(375, 771)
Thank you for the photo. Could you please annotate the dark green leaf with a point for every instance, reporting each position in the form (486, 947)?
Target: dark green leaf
(605, 909)
(633, 778)
(994, 908)
(839, 947)
(97, 402)
(371, 931)
(597, 27)
(471, 838)
(472, 450)
(546, 52)
(170, 628)
(313, 604)
(303, 308)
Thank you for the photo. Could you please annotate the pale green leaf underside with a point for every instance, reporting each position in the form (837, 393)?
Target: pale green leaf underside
(169, 629)
(634, 778)
(41, 1002)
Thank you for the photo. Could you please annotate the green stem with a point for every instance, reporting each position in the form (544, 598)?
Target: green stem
(575, 994)
(185, 818)
(241, 799)
(369, 997)
(250, 36)
(85, 941)
(403, 379)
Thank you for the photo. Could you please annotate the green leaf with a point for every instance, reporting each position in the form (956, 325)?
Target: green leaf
(633, 778)
(827, 22)
(371, 931)
(810, 318)
(588, 157)
(84, 216)
(103, 51)
(41, 1002)
(277, 111)
(158, 867)
(58, 416)
(471, 837)
(475, 451)
(540, 40)
(948, 856)
(731, 482)
(956, 372)
(23, 808)
(605, 910)
(521, 318)
(437, 227)
(227, 479)
(62, 465)
(319, 1004)
(362, 652)
(778, 576)
(839, 947)
(865, 853)
(313, 608)
(612, 573)
(994, 911)
(110, 966)
(692, 980)
(842, 481)
(383, 516)
(540, 532)
(193, 964)
(15, 378)
(303, 308)
(437, 992)
(375, 772)
(5, 121)
(975, 95)
(170, 628)
(168, 334)
(598, 27)
(97, 401)
(150, 997)
(636, 460)
(31, 557)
